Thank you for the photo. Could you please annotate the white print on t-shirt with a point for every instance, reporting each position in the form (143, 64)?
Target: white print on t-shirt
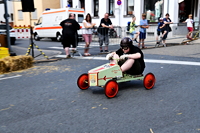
(189, 22)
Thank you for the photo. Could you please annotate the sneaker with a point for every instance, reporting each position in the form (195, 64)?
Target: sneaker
(73, 51)
(68, 56)
(164, 45)
(106, 50)
(157, 43)
(135, 40)
(101, 51)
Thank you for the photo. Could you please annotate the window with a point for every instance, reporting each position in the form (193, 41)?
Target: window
(153, 9)
(70, 3)
(20, 15)
(11, 17)
(80, 18)
(39, 21)
(82, 2)
(111, 7)
(34, 14)
(130, 6)
(96, 7)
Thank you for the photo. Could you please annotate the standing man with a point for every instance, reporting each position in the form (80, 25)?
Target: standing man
(105, 24)
(69, 33)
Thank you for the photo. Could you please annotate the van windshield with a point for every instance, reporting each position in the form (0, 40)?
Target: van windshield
(80, 18)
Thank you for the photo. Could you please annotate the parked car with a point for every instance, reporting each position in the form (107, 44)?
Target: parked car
(12, 33)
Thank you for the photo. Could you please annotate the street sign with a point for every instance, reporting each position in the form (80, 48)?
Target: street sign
(119, 2)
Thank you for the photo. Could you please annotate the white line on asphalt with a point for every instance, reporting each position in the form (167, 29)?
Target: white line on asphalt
(11, 77)
(146, 60)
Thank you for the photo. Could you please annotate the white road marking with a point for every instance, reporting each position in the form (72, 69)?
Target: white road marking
(11, 77)
(146, 60)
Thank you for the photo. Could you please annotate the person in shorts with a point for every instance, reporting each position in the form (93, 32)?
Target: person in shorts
(143, 26)
(129, 57)
(87, 33)
(189, 22)
(132, 30)
(160, 30)
(69, 33)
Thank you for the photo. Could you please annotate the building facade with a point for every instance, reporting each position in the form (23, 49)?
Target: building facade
(154, 9)
(23, 18)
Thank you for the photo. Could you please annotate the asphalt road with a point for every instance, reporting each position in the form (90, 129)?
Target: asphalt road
(46, 99)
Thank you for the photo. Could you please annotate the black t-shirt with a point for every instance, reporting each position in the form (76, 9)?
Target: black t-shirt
(103, 30)
(133, 50)
(70, 27)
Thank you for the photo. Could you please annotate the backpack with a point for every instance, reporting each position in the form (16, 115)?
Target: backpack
(128, 26)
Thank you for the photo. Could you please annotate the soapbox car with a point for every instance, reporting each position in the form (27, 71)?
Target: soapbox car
(109, 75)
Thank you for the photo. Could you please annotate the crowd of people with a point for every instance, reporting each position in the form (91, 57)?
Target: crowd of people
(70, 35)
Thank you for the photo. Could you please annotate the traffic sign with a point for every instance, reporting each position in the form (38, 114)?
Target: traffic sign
(119, 2)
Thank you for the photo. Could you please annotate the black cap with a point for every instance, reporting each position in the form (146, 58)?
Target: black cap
(126, 42)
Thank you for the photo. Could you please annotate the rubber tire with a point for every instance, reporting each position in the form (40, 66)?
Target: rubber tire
(36, 37)
(111, 88)
(149, 81)
(81, 81)
(58, 37)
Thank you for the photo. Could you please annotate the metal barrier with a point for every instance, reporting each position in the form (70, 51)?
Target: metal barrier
(179, 30)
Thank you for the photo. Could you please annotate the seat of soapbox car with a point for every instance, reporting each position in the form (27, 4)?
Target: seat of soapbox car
(109, 75)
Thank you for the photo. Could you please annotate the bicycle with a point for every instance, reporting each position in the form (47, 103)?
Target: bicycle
(189, 41)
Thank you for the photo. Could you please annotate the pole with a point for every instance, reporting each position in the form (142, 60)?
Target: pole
(31, 38)
(7, 25)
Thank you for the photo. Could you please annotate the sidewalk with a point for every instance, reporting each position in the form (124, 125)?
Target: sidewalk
(174, 49)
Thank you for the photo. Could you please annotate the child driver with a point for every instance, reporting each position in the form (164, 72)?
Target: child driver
(129, 57)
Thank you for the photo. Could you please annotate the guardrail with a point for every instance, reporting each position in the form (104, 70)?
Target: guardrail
(115, 34)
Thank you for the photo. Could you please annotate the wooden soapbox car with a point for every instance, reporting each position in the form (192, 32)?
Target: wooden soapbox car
(109, 75)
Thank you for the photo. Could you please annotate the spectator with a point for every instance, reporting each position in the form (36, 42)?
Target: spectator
(189, 22)
(143, 26)
(160, 30)
(105, 24)
(87, 33)
(167, 21)
(69, 34)
(130, 58)
(132, 30)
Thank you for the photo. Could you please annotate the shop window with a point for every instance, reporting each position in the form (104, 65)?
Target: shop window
(111, 7)
(153, 9)
(130, 6)
(187, 7)
(96, 7)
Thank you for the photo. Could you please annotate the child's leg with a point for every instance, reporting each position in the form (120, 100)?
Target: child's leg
(127, 65)
(137, 34)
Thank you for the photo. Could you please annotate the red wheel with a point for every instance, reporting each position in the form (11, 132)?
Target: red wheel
(82, 82)
(149, 81)
(111, 88)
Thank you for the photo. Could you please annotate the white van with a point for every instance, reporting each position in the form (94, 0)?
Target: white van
(48, 25)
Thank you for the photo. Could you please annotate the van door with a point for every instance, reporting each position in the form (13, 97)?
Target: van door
(37, 29)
